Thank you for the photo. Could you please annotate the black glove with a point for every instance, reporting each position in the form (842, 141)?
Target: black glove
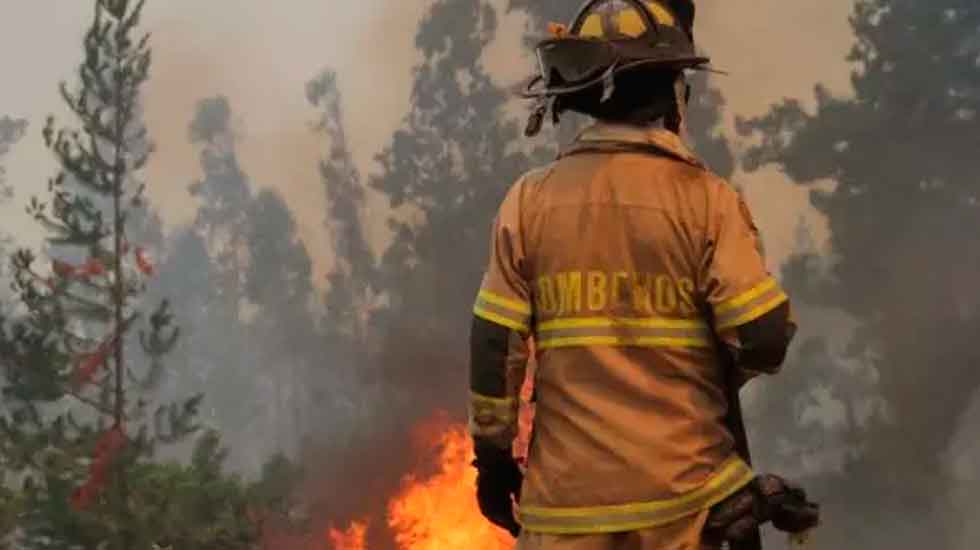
(498, 479)
(766, 498)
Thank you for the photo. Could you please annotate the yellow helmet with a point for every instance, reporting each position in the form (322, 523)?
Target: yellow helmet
(622, 19)
(609, 36)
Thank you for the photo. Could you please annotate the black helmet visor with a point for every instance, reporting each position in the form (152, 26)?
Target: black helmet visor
(571, 61)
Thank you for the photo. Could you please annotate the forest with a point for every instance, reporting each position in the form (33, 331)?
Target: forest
(200, 386)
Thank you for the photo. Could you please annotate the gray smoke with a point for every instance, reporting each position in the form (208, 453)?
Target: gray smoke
(323, 260)
(11, 131)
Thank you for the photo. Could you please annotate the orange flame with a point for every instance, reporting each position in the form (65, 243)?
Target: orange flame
(441, 512)
(351, 539)
(436, 512)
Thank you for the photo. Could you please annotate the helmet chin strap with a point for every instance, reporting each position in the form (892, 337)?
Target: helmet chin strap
(536, 119)
(674, 121)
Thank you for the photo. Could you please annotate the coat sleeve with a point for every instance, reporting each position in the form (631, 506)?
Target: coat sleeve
(504, 297)
(501, 316)
(750, 311)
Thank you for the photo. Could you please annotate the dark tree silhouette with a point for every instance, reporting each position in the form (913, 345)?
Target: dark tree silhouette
(255, 338)
(278, 284)
(904, 219)
(214, 251)
(342, 390)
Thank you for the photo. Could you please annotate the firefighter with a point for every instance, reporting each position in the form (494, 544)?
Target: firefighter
(637, 274)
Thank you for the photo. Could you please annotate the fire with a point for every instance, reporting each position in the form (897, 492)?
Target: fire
(437, 511)
(351, 539)
(441, 513)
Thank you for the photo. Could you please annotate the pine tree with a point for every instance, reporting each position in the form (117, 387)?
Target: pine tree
(224, 194)
(239, 342)
(351, 295)
(79, 425)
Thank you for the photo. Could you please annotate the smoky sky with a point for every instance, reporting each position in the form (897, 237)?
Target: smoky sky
(260, 55)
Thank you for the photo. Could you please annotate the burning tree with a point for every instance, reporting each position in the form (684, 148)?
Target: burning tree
(80, 425)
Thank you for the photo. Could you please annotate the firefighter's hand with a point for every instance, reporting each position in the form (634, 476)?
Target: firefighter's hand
(766, 498)
(498, 481)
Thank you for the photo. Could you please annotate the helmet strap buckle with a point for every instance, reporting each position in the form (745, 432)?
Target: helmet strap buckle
(608, 86)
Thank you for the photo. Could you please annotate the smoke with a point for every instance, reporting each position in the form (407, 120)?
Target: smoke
(770, 50)
(11, 131)
(773, 50)
(260, 55)
(204, 51)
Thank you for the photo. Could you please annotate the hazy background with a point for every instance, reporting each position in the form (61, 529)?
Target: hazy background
(260, 55)
(354, 152)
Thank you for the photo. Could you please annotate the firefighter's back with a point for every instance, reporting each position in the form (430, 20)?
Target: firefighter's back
(630, 399)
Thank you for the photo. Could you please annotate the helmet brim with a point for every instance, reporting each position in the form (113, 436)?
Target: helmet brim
(532, 87)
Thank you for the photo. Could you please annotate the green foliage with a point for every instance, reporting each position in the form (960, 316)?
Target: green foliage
(198, 506)
(81, 421)
(279, 480)
(11, 509)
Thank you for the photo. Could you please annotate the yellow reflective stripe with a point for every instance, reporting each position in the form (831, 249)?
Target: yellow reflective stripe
(512, 314)
(749, 305)
(732, 476)
(756, 312)
(618, 331)
(624, 341)
(643, 322)
(731, 470)
(745, 297)
(500, 319)
(514, 305)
